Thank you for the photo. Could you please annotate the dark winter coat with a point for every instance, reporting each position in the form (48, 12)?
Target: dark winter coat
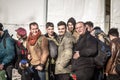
(87, 47)
(7, 51)
(53, 45)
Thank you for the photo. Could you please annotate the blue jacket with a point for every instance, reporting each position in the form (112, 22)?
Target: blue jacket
(7, 50)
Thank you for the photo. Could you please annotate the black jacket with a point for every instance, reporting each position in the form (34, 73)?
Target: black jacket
(87, 47)
(53, 45)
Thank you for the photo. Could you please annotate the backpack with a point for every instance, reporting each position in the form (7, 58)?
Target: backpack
(103, 55)
(17, 48)
(21, 53)
(53, 46)
(4, 40)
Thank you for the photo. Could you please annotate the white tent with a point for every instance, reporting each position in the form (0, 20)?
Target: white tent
(19, 13)
(115, 14)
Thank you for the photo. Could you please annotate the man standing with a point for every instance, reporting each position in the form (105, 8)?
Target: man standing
(85, 50)
(53, 49)
(38, 51)
(63, 68)
(111, 71)
(7, 52)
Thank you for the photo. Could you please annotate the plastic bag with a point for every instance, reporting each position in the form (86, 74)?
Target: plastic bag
(2, 75)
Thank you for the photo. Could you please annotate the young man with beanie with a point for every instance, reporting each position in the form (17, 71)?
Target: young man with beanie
(71, 25)
(7, 52)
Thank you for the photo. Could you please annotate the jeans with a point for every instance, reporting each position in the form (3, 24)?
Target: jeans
(39, 75)
(42, 75)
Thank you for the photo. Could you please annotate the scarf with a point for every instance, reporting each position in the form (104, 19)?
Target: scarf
(33, 38)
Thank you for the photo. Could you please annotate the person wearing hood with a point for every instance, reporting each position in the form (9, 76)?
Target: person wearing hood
(71, 25)
(7, 52)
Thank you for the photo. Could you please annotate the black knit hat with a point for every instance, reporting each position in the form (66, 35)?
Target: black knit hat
(72, 20)
(1, 27)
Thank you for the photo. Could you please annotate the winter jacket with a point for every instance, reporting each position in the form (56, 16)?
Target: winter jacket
(53, 45)
(115, 56)
(87, 47)
(76, 35)
(7, 52)
(21, 53)
(63, 64)
(39, 52)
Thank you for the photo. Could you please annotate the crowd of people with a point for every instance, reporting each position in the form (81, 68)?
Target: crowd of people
(68, 55)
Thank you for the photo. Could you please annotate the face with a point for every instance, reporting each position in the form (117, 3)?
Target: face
(111, 37)
(1, 32)
(18, 36)
(34, 29)
(80, 28)
(61, 30)
(89, 28)
(92, 32)
(70, 26)
(50, 30)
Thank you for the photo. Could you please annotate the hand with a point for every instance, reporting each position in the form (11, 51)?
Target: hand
(76, 55)
(106, 74)
(29, 57)
(39, 68)
(1, 66)
(23, 66)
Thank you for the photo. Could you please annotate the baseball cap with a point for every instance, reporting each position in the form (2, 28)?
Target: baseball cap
(21, 31)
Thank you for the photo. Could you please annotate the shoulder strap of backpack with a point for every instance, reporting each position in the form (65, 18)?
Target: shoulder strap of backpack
(4, 40)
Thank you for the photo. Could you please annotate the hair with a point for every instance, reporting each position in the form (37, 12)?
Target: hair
(61, 23)
(97, 27)
(49, 24)
(89, 23)
(113, 32)
(1, 27)
(73, 21)
(81, 22)
(97, 30)
(33, 23)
